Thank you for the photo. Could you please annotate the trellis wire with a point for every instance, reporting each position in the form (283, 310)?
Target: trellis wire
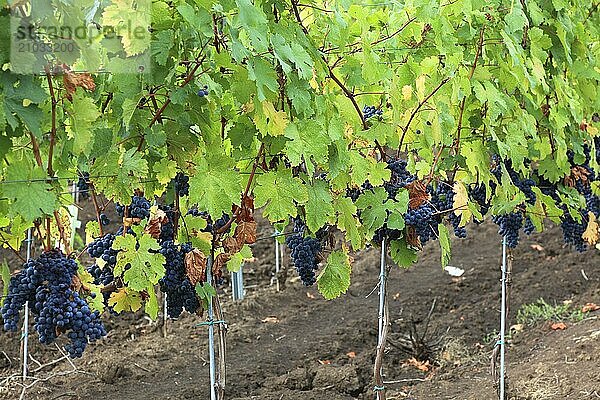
(503, 320)
(25, 333)
(211, 333)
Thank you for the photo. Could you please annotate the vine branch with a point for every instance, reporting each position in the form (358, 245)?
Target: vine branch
(416, 110)
(53, 128)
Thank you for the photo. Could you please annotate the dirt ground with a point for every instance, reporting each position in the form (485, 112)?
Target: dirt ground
(293, 344)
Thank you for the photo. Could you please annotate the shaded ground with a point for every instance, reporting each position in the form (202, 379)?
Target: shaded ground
(302, 352)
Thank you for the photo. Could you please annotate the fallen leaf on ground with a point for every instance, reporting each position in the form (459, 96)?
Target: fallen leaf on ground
(272, 320)
(558, 326)
(537, 247)
(324, 362)
(589, 307)
(310, 295)
(351, 354)
(420, 365)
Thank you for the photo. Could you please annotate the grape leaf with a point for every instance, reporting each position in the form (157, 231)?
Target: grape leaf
(346, 220)
(216, 186)
(144, 267)
(151, 306)
(30, 195)
(444, 237)
(5, 276)
(278, 192)
(125, 299)
(402, 254)
(334, 279)
(82, 116)
(319, 208)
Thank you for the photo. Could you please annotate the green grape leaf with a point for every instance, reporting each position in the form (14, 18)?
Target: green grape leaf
(309, 142)
(82, 116)
(373, 208)
(319, 207)
(165, 170)
(334, 279)
(347, 221)
(5, 276)
(402, 255)
(444, 237)
(205, 292)
(279, 192)
(30, 195)
(151, 306)
(215, 186)
(237, 260)
(144, 267)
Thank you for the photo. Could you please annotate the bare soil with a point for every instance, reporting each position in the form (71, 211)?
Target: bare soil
(293, 344)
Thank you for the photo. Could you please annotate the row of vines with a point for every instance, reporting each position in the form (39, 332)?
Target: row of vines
(348, 124)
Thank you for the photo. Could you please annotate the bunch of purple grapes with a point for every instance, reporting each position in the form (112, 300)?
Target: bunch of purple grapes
(46, 284)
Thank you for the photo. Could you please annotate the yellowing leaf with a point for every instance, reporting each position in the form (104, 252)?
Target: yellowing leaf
(406, 92)
(420, 83)
(591, 232)
(271, 121)
(460, 204)
(125, 299)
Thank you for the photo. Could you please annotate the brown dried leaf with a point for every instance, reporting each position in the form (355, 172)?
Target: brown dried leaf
(72, 81)
(421, 366)
(195, 266)
(580, 173)
(245, 233)
(76, 283)
(537, 247)
(417, 194)
(589, 307)
(351, 354)
(155, 224)
(272, 320)
(591, 232)
(324, 362)
(220, 261)
(246, 212)
(412, 238)
(558, 326)
(232, 245)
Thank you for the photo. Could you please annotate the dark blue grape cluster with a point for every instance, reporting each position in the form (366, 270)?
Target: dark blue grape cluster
(304, 253)
(371, 111)
(203, 92)
(211, 227)
(181, 183)
(45, 282)
(422, 219)
(167, 230)
(181, 294)
(509, 226)
(139, 208)
(83, 185)
(104, 220)
(443, 201)
(102, 248)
